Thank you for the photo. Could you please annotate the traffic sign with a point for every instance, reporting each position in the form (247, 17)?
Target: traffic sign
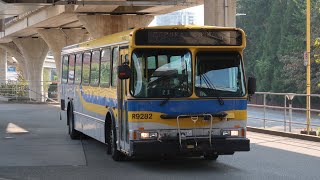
(305, 58)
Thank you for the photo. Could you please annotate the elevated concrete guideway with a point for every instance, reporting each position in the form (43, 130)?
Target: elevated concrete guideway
(65, 16)
(59, 23)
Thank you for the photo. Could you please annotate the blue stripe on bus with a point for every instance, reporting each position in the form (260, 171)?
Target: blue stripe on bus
(188, 106)
(103, 101)
(172, 106)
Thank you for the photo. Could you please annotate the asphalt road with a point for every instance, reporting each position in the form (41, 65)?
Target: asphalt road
(34, 145)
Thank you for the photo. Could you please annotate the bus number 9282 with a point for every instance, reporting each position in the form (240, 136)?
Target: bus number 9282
(153, 91)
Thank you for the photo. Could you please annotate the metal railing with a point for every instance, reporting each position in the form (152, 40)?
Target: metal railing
(269, 107)
(28, 91)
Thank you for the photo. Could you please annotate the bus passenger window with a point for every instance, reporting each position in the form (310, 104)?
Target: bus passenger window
(95, 66)
(126, 58)
(86, 68)
(115, 54)
(175, 61)
(71, 69)
(65, 69)
(162, 60)
(77, 73)
(151, 63)
(105, 68)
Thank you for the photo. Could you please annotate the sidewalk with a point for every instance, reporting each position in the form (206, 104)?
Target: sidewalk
(284, 143)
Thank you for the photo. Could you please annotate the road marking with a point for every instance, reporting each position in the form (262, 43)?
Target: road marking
(13, 129)
(4, 179)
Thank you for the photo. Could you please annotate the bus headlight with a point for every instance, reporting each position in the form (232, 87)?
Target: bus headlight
(234, 133)
(148, 135)
(230, 133)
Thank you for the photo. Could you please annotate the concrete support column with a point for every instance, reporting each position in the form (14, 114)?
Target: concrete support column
(56, 39)
(220, 13)
(3, 66)
(15, 52)
(101, 25)
(34, 51)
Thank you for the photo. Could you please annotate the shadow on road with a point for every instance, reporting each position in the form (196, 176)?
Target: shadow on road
(184, 164)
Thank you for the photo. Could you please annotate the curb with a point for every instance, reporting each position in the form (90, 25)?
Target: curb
(3, 99)
(26, 102)
(284, 134)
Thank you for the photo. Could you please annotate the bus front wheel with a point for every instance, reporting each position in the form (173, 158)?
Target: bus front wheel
(74, 134)
(115, 154)
(108, 135)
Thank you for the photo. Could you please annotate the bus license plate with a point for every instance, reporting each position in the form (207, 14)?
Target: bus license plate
(186, 132)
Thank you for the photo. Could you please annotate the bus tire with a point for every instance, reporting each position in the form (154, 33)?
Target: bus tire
(108, 135)
(115, 153)
(211, 156)
(73, 133)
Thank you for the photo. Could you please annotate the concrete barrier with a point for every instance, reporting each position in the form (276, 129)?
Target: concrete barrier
(3, 99)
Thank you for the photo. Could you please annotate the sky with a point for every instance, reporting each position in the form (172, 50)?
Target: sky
(198, 10)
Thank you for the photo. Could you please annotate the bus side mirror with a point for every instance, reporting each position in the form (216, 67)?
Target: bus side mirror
(124, 71)
(252, 86)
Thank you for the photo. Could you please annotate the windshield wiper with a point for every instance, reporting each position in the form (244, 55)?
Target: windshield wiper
(168, 97)
(211, 86)
(165, 101)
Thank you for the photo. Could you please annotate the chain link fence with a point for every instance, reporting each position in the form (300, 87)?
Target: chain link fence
(23, 91)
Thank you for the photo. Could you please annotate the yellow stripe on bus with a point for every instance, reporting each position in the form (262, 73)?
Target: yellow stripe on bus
(102, 110)
(184, 122)
(100, 91)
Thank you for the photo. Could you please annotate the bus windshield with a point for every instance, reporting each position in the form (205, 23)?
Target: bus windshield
(161, 73)
(219, 75)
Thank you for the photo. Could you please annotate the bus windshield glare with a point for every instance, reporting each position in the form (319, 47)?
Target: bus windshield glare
(161, 73)
(219, 75)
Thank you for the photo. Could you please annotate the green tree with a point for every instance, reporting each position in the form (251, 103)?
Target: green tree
(254, 24)
(275, 41)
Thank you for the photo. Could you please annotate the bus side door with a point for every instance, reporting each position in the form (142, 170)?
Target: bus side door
(122, 103)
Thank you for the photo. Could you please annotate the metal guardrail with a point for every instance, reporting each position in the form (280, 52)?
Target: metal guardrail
(288, 118)
(21, 91)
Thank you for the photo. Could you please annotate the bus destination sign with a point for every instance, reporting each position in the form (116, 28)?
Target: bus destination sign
(188, 37)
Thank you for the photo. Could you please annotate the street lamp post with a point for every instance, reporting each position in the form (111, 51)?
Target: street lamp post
(308, 66)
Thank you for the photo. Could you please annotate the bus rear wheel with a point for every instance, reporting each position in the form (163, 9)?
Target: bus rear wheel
(115, 153)
(73, 133)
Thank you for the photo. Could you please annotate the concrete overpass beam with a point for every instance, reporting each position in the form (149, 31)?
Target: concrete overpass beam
(3, 66)
(34, 51)
(56, 39)
(220, 13)
(15, 52)
(102, 25)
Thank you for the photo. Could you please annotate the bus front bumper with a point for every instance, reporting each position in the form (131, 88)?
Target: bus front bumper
(189, 148)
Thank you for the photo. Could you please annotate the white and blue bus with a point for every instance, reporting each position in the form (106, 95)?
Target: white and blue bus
(169, 90)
